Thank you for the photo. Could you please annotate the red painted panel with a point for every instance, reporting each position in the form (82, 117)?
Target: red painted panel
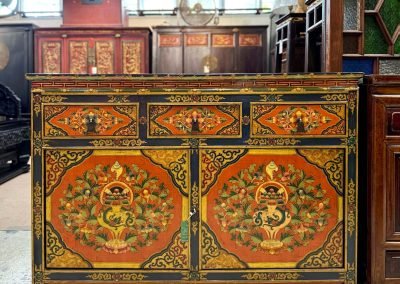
(110, 13)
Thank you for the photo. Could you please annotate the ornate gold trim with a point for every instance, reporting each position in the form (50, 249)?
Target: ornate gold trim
(194, 142)
(335, 97)
(351, 141)
(194, 274)
(273, 276)
(176, 162)
(195, 227)
(39, 275)
(118, 99)
(272, 142)
(175, 256)
(350, 275)
(351, 207)
(38, 143)
(195, 197)
(37, 210)
(117, 142)
(58, 255)
(116, 276)
(330, 255)
(215, 257)
(195, 98)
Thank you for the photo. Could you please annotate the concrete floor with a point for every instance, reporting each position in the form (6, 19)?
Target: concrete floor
(15, 231)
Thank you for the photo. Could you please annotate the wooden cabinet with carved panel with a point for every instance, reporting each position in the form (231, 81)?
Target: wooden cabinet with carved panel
(202, 50)
(89, 50)
(195, 178)
(384, 178)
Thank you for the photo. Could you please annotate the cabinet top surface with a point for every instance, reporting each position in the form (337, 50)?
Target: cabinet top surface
(200, 77)
(222, 82)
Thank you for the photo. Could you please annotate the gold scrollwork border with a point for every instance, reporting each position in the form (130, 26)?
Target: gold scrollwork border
(350, 275)
(351, 141)
(118, 99)
(195, 98)
(117, 142)
(273, 276)
(351, 207)
(37, 210)
(39, 275)
(194, 274)
(38, 143)
(272, 142)
(116, 276)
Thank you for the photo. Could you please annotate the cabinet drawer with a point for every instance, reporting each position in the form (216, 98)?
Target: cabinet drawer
(85, 121)
(392, 264)
(291, 119)
(393, 118)
(194, 120)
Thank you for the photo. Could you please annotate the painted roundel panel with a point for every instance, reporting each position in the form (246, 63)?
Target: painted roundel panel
(272, 208)
(116, 209)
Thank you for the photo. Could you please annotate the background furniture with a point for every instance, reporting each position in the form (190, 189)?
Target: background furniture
(290, 43)
(16, 59)
(371, 42)
(79, 50)
(266, 164)
(384, 178)
(14, 136)
(199, 50)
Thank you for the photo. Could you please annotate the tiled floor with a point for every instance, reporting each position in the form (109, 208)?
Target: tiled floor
(15, 234)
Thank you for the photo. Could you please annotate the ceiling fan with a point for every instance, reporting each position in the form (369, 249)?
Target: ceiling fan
(197, 12)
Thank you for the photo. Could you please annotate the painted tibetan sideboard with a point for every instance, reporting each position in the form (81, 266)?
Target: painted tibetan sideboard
(194, 178)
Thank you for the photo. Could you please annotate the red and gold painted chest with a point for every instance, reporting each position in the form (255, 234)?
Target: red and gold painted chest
(194, 178)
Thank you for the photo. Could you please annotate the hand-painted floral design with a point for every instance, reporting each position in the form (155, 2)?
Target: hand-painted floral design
(116, 208)
(272, 208)
(299, 119)
(91, 120)
(195, 120)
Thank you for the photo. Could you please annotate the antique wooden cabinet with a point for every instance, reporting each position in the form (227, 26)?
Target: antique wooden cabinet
(290, 43)
(199, 50)
(91, 50)
(384, 178)
(195, 178)
(16, 59)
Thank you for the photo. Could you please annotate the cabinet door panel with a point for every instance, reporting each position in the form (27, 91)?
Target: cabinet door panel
(223, 49)
(272, 208)
(105, 56)
(78, 55)
(393, 193)
(133, 56)
(170, 53)
(116, 209)
(50, 56)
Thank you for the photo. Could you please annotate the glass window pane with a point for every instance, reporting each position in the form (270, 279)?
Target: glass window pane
(157, 4)
(41, 7)
(242, 4)
(131, 5)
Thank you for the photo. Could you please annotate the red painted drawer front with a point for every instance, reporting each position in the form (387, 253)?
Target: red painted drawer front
(279, 208)
(90, 120)
(222, 120)
(272, 119)
(116, 209)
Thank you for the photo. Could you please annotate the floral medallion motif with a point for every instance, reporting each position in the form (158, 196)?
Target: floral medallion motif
(90, 121)
(166, 120)
(116, 208)
(298, 119)
(272, 208)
